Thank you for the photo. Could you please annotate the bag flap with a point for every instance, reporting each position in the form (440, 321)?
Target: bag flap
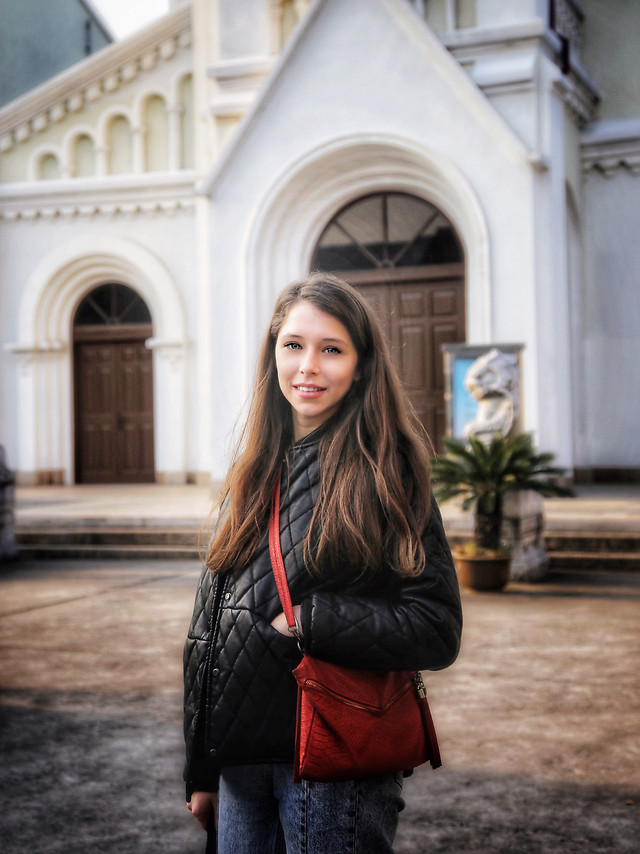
(373, 689)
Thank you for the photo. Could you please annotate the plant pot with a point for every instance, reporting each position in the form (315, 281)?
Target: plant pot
(481, 571)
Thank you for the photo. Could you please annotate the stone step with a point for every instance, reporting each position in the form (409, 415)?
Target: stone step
(82, 551)
(592, 541)
(591, 550)
(607, 551)
(600, 561)
(568, 550)
(107, 536)
(102, 541)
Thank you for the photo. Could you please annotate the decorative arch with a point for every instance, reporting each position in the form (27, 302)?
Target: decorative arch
(63, 277)
(155, 130)
(106, 143)
(80, 163)
(140, 103)
(181, 108)
(120, 157)
(44, 350)
(45, 152)
(108, 115)
(176, 84)
(309, 192)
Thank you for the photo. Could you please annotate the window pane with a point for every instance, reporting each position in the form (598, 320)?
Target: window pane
(387, 230)
(112, 304)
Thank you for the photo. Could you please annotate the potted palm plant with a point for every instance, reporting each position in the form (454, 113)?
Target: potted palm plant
(482, 473)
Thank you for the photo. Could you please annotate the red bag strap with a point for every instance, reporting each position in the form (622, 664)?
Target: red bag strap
(277, 564)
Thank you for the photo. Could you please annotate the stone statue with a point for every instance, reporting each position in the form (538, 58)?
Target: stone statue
(493, 380)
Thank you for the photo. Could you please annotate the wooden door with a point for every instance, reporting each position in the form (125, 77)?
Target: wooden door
(406, 258)
(419, 313)
(114, 412)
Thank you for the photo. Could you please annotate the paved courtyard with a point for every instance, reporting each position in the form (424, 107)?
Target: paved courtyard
(539, 719)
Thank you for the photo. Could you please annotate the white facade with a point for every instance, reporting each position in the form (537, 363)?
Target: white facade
(239, 154)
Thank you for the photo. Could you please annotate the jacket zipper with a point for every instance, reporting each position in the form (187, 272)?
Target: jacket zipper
(214, 628)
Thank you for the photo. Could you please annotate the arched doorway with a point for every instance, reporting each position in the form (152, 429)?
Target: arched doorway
(113, 387)
(406, 259)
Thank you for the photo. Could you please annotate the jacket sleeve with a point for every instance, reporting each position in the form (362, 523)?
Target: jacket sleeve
(416, 625)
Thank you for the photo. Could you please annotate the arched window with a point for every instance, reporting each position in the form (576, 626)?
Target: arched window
(387, 230)
(49, 167)
(120, 146)
(112, 305)
(84, 158)
(156, 139)
(406, 260)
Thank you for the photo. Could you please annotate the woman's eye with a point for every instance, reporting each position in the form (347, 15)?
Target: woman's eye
(292, 345)
(332, 350)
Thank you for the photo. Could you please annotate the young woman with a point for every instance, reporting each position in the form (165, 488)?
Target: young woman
(368, 567)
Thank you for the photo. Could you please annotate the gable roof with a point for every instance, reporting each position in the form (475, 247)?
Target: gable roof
(402, 15)
(93, 77)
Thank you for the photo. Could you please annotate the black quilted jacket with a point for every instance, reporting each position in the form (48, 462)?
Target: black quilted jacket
(240, 696)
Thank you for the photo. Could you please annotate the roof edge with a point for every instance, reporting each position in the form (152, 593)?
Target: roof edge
(94, 76)
(410, 19)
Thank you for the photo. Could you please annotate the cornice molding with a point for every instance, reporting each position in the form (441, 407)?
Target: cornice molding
(578, 94)
(241, 68)
(144, 195)
(94, 77)
(576, 88)
(239, 80)
(610, 146)
(469, 44)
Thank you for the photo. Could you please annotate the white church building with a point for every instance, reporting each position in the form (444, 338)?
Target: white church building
(472, 165)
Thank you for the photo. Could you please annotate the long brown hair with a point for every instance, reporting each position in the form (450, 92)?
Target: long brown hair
(373, 503)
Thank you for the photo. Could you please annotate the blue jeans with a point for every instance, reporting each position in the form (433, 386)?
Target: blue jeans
(262, 811)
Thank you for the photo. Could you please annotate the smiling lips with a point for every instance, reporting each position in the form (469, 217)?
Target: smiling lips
(309, 390)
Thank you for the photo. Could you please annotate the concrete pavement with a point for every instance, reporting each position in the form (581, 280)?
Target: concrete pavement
(538, 719)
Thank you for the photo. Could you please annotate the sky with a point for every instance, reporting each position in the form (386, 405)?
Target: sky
(125, 16)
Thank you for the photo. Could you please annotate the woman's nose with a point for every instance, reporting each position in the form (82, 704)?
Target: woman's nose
(309, 364)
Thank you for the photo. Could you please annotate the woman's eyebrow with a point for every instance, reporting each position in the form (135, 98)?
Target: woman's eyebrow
(285, 334)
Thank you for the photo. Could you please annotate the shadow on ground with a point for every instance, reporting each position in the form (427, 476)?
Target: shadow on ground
(77, 783)
(538, 719)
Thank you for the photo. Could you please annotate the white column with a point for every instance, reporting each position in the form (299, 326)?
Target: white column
(55, 421)
(452, 21)
(26, 465)
(204, 364)
(170, 409)
(101, 160)
(175, 142)
(138, 141)
(39, 413)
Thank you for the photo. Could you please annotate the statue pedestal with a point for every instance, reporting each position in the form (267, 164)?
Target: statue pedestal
(522, 533)
(8, 548)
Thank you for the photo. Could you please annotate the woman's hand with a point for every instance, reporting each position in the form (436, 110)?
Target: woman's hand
(201, 805)
(279, 623)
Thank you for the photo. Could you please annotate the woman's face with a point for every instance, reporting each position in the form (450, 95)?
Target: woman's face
(316, 362)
